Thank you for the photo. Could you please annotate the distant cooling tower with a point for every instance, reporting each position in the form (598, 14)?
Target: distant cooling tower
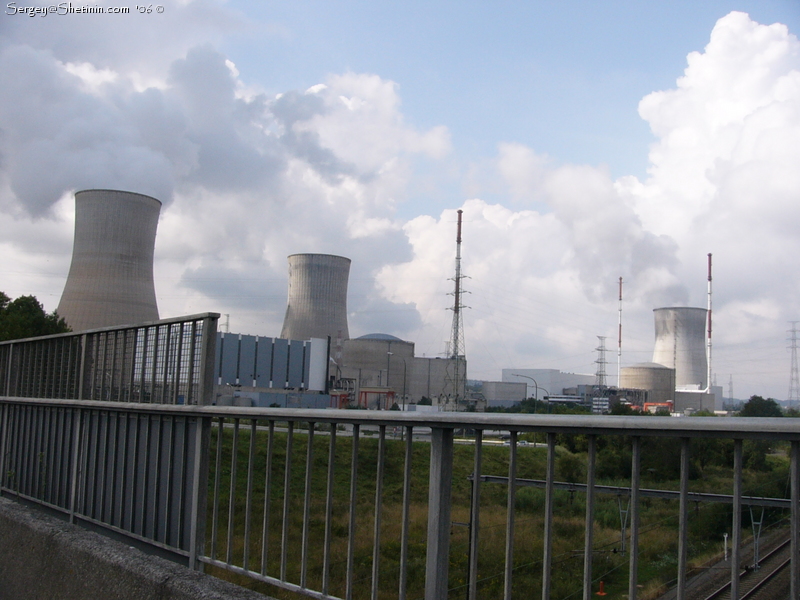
(317, 305)
(110, 280)
(681, 344)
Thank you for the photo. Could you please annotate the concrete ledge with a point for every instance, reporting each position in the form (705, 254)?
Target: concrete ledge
(42, 558)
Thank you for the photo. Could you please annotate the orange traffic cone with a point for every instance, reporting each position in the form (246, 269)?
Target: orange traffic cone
(602, 591)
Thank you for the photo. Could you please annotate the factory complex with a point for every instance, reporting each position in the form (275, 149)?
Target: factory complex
(314, 363)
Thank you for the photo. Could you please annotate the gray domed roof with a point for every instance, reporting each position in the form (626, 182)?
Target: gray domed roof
(380, 336)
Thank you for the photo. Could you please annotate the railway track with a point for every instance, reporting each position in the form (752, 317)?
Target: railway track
(767, 582)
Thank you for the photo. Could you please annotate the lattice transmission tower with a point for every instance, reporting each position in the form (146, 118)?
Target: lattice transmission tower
(600, 376)
(457, 374)
(794, 377)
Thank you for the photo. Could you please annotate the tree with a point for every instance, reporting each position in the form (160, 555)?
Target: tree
(759, 407)
(25, 317)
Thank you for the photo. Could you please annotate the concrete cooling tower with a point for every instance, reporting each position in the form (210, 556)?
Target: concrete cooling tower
(110, 279)
(681, 344)
(317, 305)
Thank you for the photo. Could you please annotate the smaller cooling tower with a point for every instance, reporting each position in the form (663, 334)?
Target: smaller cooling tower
(317, 304)
(110, 280)
(681, 344)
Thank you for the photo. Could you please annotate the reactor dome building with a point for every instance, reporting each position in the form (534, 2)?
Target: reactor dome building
(317, 303)
(110, 279)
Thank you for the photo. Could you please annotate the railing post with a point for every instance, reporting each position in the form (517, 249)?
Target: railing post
(633, 576)
(475, 515)
(589, 535)
(441, 473)
(737, 518)
(511, 503)
(200, 464)
(209, 342)
(683, 520)
(547, 560)
(794, 585)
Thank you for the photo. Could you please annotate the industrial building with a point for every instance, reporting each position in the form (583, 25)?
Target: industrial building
(261, 371)
(110, 279)
(548, 382)
(381, 369)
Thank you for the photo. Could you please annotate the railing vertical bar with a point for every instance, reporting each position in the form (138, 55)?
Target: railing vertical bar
(199, 490)
(217, 477)
(512, 494)
(16, 448)
(287, 481)
(306, 506)
(475, 514)
(633, 569)
(134, 465)
(167, 354)
(794, 584)
(169, 514)
(589, 535)
(27, 455)
(176, 384)
(106, 463)
(190, 397)
(154, 371)
(184, 424)
(232, 494)
(249, 498)
(86, 473)
(103, 369)
(409, 437)
(113, 370)
(157, 474)
(326, 552)
(267, 498)
(351, 526)
(67, 443)
(77, 443)
(146, 478)
(736, 525)
(683, 520)
(437, 559)
(44, 462)
(547, 558)
(4, 443)
(145, 342)
(124, 462)
(376, 544)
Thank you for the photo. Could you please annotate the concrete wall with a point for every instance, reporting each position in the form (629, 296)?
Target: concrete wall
(42, 558)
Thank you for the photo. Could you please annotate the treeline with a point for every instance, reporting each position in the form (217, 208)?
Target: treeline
(25, 317)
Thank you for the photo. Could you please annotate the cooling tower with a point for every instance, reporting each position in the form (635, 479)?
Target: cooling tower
(110, 279)
(317, 305)
(681, 344)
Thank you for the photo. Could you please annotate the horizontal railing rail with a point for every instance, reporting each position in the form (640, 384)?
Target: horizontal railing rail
(330, 504)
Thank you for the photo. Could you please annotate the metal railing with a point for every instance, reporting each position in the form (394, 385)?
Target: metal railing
(163, 362)
(323, 503)
(247, 538)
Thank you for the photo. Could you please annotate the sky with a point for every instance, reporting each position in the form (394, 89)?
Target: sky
(584, 142)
